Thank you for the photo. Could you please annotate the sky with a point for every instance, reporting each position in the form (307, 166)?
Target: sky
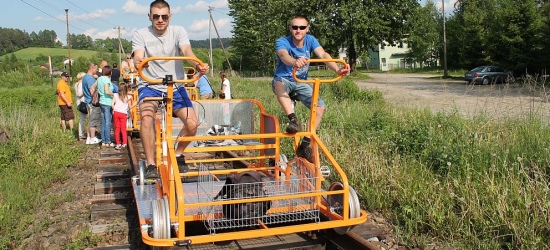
(99, 18)
(449, 4)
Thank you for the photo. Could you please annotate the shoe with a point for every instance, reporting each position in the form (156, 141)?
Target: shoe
(305, 151)
(118, 147)
(123, 145)
(88, 141)
(293, 126)
(94, 140)
(151, 172)
(182, 166)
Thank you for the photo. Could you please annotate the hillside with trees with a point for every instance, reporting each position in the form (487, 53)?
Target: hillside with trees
(12, 40)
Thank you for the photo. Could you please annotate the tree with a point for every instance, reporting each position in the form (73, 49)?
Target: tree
(545, 33)
(12, 40)
(515, 41)
(46, 39)
(82, 41)
(254, 41)
(424, 37)
(356, 25)
(474, 18)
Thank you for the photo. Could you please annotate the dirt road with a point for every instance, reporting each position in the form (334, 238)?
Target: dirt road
(497, 101)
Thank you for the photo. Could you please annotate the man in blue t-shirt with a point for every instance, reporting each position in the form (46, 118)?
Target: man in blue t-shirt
(295, 51)
(94, 119)
(202, 85)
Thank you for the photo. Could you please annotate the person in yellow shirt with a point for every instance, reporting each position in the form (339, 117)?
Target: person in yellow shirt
(64, 100)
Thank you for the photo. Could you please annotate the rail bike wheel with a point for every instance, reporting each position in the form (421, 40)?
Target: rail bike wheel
(336, 201)
(160, 218)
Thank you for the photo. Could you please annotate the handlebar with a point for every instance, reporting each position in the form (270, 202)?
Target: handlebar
(167, 58)
(323, 80)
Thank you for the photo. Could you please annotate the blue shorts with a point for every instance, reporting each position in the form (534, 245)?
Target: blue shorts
(303, 91)
(181, 99)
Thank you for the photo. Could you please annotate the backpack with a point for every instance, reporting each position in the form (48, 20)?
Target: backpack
(241, 186)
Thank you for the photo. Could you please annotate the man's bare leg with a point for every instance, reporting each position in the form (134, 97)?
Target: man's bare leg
(190, 121)
(147, 130)
(283, 97)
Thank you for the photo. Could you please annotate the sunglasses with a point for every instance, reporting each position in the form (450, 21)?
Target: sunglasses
(127, 57)
(296, 27)
(156, 17)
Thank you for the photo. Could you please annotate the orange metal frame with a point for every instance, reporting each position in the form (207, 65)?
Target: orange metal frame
(170, 178)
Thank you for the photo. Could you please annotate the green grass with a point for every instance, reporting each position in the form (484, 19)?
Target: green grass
(439, 178)
(31, 53)
(36, 156)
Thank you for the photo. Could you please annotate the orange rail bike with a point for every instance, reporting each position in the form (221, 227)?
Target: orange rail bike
(234, 137)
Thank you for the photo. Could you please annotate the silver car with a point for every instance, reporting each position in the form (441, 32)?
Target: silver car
(488, 74)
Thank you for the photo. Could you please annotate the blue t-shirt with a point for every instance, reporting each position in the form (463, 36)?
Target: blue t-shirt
(204, 86)
(285, 71)
(87, 83)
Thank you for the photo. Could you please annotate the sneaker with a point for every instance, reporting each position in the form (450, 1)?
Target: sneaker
(151, 172)
(123, 145)
(293, 126)
(94, 140)
(88, 141)
(118, 147)
(305, 151)
(182, 166)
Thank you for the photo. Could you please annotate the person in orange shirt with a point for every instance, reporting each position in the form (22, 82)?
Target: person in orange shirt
(64, 100)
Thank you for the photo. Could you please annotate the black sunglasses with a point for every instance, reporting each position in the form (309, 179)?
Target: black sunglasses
(156, 17)
(295, 27)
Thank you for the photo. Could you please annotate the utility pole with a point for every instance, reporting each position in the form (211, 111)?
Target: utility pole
(69, 48)
(210, 39)
(119, 46)
(231, 72)
(445, 71)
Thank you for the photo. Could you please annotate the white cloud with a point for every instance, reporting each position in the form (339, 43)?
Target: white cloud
(449, 5)
(199, 29)
(132, 6)
(203, 5)
(90, 16)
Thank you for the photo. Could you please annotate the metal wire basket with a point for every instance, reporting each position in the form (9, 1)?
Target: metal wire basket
(276, 205)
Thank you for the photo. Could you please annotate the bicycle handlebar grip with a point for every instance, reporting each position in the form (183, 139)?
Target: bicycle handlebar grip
(167, 58)
(323, 80)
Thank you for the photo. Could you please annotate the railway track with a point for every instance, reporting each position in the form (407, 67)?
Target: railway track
(114, 213)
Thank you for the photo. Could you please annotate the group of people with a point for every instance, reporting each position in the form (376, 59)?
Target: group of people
(114, 102)
(162, 39)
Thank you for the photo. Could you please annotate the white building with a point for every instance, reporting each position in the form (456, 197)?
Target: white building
(387, 57)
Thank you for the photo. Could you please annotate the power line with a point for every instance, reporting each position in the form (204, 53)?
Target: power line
(51, 15)
(43, 12)
(110, 24)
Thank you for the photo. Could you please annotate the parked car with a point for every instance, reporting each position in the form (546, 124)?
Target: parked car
(488, 74)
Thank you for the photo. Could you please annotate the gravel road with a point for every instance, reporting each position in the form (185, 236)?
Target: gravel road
(427, 91)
